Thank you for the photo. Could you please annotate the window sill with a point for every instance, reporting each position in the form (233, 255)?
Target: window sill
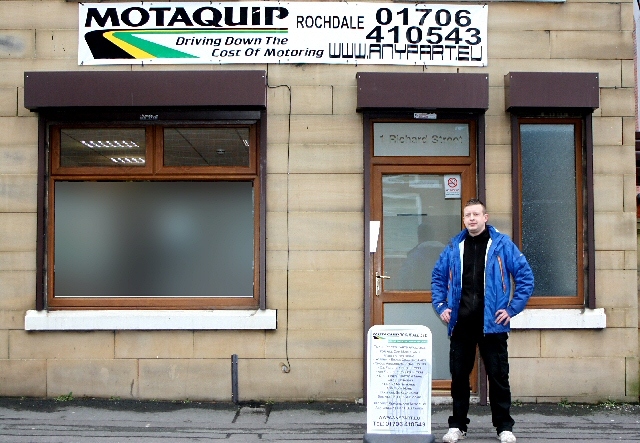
(560, 319)
(150, 320)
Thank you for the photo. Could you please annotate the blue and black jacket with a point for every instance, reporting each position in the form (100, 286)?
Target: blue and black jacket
(503, 262)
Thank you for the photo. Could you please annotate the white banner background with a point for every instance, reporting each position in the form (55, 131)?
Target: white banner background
(271, 32)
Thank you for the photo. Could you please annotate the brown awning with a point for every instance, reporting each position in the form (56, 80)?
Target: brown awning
(154, 88)
(388, 90)
(552, 90)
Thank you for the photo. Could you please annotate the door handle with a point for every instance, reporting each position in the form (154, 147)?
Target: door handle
(379, 278)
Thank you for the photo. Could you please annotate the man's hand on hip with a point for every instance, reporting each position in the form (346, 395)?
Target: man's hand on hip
(502, 317)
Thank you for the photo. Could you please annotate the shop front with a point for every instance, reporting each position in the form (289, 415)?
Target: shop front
(186, 185)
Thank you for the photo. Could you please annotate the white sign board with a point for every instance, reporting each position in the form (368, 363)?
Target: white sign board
(452, 186)
(374, 234)
(273, 32)
(399, 380)
(421, 139)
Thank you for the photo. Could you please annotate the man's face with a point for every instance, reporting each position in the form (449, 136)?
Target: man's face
(475, 219)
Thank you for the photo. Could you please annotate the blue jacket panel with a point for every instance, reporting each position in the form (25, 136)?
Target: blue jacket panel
(503, 263)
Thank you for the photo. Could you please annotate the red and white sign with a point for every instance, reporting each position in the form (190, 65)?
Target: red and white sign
(452, 186)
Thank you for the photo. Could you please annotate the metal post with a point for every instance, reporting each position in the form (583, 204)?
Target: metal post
(234, 378)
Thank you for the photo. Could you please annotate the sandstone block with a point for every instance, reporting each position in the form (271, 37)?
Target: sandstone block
(614, 230)
(223, 344)
(16, 43)
(153, 344)
(616, 288)
(326, 158)
(277, 225)
(311, 100)
(599, 45)
(17, 231)
(312, 129)
(308, 379)
(325, 260)
(588, 379)
(608, 193)
(610, 343)
(344, 100)
(8, 101)
(18, 193)
(26, 378)
(278, 159)
(617, 102)
(325, 192)
(61, 345)
(201, 379)
(92, 378)
(58, 43)
(325, 289)
(17, 290)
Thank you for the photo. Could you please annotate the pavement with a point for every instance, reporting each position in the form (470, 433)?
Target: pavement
(67, 420)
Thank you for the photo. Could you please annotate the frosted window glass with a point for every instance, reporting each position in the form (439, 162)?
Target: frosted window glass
(421, 139)
(549, 220)
(154, 239)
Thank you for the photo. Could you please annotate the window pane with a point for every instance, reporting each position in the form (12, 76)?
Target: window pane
(206, 147)
(421, 139)
(102, 147)
(154, 239)
(549, 219)
(417, 224)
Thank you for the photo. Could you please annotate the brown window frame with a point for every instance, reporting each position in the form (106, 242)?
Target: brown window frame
(584, 288)
(558, 95)
(154, 153)
(154, 170)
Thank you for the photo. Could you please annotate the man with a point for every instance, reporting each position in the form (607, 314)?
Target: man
(471, 287)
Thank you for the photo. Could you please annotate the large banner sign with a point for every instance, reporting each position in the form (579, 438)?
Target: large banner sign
(272, 32)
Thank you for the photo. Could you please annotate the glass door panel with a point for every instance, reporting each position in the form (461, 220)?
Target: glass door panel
(418, 222)
(423, 314)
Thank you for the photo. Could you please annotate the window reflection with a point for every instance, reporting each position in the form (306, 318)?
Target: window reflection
(102, 147)
(206, 146)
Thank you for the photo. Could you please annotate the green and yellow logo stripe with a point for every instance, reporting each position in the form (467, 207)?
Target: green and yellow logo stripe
(137, 47)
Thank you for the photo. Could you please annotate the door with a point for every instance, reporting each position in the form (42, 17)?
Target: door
(418, 200)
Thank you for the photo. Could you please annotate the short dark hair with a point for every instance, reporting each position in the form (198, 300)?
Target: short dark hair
(475, 201)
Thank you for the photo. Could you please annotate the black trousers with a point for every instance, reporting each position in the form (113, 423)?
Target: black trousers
(494, 353)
